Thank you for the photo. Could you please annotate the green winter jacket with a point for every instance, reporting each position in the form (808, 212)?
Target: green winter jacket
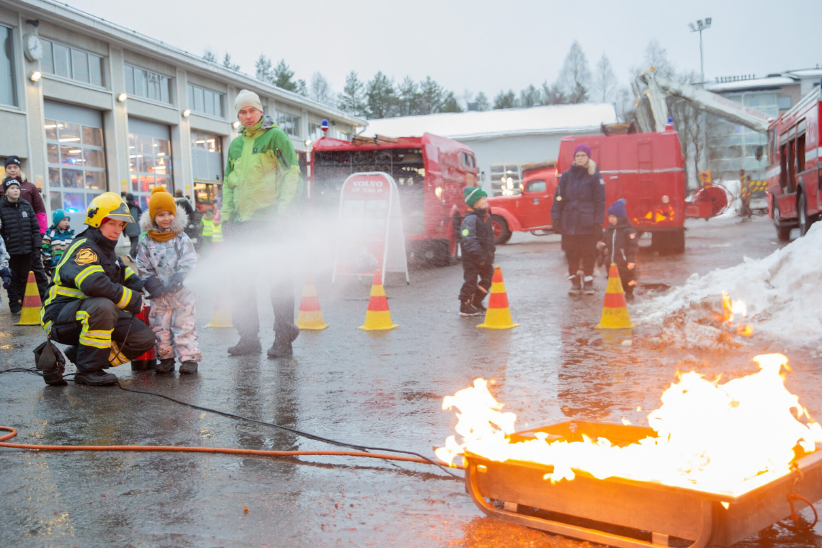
(262, 174)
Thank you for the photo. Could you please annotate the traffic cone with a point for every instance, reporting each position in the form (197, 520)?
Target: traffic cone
(378, 317)
(498, 315)
(32, 304)
(615, 309)
(310, 316)
(221, 317)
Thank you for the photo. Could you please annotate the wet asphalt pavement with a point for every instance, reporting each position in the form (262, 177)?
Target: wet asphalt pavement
(378, 389)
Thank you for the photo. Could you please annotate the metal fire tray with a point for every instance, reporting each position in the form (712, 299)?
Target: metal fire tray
(628, 513)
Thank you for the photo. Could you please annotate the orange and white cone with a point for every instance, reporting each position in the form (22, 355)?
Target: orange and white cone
(221, 317)
(615, 309)
(310, 315)
(30, 315)
(498, 314)
(378, 317)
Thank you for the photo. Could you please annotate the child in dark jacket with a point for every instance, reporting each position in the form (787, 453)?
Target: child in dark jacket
(478, 249)
(56, 240)
(619, 245)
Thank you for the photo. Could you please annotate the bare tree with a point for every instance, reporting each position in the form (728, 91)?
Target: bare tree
(320, 90)
(605, 81)
(575, 76)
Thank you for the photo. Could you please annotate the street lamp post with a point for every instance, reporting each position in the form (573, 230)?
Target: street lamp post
(699, 26)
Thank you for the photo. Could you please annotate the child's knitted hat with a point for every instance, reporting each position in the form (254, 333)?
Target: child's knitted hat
(618, 208)
(472, 194)
(161, 200)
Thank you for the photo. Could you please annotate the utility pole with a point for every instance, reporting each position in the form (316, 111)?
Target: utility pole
(699, 26)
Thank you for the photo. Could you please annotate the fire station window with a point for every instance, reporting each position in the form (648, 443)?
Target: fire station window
(536, 186)
(8, 78)
(784, 103)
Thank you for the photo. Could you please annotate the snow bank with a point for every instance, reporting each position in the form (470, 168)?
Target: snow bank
(783, 293)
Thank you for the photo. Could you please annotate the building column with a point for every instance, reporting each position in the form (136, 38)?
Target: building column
(181, 141)
(115, 126)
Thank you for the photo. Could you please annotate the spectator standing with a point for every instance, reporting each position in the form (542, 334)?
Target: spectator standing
(56, 240)
(21, 234)
(132, 230)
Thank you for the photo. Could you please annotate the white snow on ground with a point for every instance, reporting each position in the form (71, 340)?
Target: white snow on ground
(783, 293)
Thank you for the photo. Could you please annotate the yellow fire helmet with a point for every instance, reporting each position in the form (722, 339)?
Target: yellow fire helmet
(108, 205)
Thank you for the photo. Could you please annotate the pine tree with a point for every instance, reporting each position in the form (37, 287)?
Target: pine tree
(530, 97)
(431, 96)
(505, 100)
(352, 99)
(380, 97)
(265, 72)
(301, 88)
(209, 56)
(482, 102)
(575, 76)
(450, 103)
(228, 64)
(283, 77)
(408, 96)
(552, 94)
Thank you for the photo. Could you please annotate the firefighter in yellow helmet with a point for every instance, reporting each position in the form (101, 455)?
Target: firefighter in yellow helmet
(93, 297)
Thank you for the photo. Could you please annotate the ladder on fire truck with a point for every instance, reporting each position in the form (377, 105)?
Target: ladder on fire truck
(654, 116)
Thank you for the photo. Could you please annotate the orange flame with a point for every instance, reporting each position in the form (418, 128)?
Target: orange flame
(721, 438)
(731, 309)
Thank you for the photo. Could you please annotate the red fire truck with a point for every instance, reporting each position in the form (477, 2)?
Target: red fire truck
(529, 211)
(430, 173)
(647, 169)
(794, 178)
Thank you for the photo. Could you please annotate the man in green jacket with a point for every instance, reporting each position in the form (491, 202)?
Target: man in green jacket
(261, 188)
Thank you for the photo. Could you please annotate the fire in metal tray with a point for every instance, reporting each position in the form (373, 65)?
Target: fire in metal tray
(717, 438)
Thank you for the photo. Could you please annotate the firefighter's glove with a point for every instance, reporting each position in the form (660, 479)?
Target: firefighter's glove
(175, 284)
(154, 287)
(6, 275)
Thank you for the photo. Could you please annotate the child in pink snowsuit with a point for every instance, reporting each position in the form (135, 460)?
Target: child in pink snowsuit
(165, 255)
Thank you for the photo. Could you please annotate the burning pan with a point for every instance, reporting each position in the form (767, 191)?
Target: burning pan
(627, 513)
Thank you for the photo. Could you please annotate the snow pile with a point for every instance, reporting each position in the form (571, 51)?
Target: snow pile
(783, 293)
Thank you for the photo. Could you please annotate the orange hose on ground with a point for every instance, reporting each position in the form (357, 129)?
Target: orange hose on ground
(222, 450)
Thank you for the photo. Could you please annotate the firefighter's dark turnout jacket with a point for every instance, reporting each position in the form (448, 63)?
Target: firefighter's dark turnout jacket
(86, 303)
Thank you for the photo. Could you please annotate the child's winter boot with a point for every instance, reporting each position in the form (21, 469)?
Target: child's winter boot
(467, 309)
(576, 285)
(164, 366)
(588, 285)
(188, 368)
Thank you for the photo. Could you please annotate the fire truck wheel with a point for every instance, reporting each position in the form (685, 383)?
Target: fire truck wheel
(805, 220)
(783, 233)
(501, 231)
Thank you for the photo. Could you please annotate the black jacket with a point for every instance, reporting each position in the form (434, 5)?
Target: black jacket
(133, 229)
(20, 228)
(478, 245)
(90, 268)
(621, 243)
(579, 202)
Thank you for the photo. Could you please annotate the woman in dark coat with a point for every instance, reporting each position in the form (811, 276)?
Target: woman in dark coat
(21, 233)
(578, 213)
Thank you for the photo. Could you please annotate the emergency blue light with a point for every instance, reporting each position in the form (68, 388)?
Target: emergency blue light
(325, 125)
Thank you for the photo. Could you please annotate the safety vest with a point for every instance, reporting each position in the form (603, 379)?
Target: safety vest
(208, 228)
(218, 233)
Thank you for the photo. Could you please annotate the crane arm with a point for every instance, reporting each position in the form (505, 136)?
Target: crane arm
(704, 100)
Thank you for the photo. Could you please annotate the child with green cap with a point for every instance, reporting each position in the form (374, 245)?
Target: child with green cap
(478, 249)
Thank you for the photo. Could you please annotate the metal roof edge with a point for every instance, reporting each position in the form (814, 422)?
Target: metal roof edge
(64, 13)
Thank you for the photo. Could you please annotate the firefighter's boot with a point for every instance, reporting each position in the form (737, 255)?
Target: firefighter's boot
(247, 345)
(164, 366)
(95, 378)
(588, 285)
(282, 341)
(576, 285)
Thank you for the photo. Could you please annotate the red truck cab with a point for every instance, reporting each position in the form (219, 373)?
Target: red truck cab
(529, 210)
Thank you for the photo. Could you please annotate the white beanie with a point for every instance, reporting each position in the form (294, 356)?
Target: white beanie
(247, 99)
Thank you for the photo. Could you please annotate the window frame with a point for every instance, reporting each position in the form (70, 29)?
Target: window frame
(15, 92)
(208, 97)
(50, 46)
(157, 85)
(295, 122)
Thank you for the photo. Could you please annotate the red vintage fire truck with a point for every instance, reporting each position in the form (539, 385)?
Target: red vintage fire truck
(430, 173)
(794, 178)
(529, 210)
(647, 169)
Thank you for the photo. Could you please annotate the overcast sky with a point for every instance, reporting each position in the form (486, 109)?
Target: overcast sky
(479, 45)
